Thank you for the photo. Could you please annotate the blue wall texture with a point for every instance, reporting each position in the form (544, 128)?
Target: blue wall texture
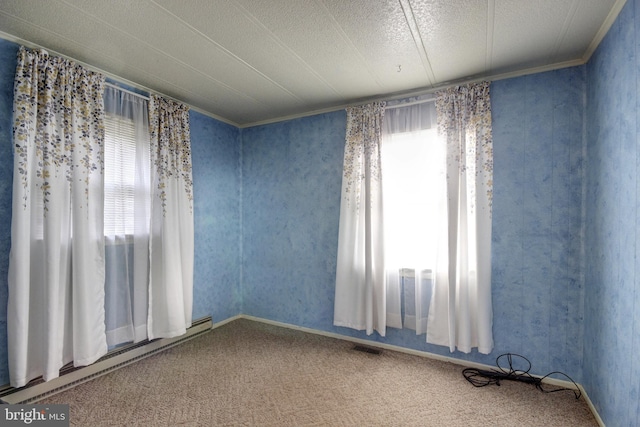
(292, 175)
(612, 265)
(565, 237)
(537, 218)
(8, 52)
(291, 182)
(215, 151)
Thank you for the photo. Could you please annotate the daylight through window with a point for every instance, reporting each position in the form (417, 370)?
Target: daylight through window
(413, 186)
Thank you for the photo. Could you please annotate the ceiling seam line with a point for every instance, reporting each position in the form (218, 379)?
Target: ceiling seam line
(417, 92)
(277, 40)
(491, 22)
(417, 39)
(563, 33)
(604, 29)
(345, 37)
(228, 52)
(108, 74)
(208, 77)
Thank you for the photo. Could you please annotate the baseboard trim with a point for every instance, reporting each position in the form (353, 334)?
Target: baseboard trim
(594, 411)
(462, 363)
(116, 359)
(31, 394)
(225, 321)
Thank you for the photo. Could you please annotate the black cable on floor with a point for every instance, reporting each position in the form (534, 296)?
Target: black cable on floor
(482, 378)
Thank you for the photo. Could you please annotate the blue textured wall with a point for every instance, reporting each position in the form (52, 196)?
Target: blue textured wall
(291, 202)
(8, 52)
(562, 309)
(537, 218)
(215, 151)
(612, 273)
(291, 178)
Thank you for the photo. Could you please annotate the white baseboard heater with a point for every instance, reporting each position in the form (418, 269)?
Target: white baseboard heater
(115, 359)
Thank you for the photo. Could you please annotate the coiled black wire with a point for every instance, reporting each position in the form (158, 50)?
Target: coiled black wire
(482, 378)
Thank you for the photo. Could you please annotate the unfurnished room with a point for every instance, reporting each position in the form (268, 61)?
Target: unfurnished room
(320, 212)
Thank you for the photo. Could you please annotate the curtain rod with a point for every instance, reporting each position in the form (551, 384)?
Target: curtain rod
(407, 104)
(126, 90)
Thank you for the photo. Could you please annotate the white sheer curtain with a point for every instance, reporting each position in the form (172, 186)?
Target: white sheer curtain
(414, 246)
(414, 189)
(360, 297)
(56, 268)
(460, 314)
(171, 246)
(127, 216)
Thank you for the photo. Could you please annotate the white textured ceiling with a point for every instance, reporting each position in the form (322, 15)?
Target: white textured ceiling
(256, 61)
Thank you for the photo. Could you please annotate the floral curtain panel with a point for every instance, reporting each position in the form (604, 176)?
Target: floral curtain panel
(171, 245)
(56, 307)
(460, 315)
(360, 298)
(56, 267)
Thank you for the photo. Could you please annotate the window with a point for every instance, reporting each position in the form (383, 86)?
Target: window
(126, 215)
(425, 217)
(413, 181)
(126, 164)
(119, 175)
(414, 186)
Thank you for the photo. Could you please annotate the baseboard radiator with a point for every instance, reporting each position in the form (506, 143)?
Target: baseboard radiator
(115, 359)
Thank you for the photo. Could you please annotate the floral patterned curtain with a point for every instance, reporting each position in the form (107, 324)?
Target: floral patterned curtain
(56, 268)
(171, 243)
(460, 315)
(360, 298)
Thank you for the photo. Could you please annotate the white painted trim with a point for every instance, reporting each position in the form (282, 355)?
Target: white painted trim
(71, 379)
(594, 411)
(604, 29)
(31, 394)
(611, 17)
(371, 343)
(225, 321)
(119, 79)
(388, 97)
(420, 91)
(459, 362)
(536, 70)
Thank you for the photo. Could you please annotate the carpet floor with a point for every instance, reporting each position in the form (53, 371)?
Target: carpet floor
(247, 373)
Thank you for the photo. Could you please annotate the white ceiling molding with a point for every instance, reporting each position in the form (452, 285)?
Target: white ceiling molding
(250, 62)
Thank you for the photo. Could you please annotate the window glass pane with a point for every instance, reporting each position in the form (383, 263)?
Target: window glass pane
(413, 181)
(119, 175)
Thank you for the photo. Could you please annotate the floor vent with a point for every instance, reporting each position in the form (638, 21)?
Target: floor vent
(365, 349)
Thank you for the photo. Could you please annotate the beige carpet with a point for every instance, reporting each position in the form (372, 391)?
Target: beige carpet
(251, 374)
